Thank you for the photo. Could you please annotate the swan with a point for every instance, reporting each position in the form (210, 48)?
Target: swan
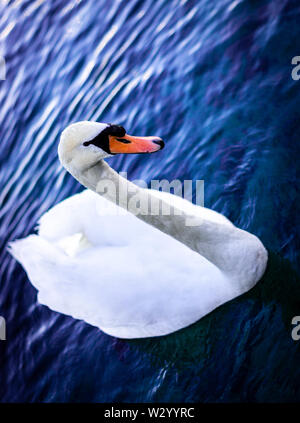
(102, 257)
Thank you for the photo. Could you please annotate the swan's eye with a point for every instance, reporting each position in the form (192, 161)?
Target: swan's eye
(102, 139)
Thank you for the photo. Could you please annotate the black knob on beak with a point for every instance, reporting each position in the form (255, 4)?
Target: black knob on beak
(161, 143)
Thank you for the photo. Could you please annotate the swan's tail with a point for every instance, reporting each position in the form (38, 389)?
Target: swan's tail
(36, 255)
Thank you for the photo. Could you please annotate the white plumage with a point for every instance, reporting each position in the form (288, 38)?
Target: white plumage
(97, 262)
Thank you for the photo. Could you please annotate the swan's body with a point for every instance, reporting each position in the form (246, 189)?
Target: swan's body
(133, 277)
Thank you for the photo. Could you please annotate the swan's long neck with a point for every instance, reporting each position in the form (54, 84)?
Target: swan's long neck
(212, 240)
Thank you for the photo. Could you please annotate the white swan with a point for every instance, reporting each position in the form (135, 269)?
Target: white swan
(133, 276)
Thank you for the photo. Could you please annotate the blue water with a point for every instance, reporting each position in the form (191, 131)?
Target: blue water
(213, 79)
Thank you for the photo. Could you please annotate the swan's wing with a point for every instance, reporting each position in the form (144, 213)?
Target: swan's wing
(128, 278)
(97, 219)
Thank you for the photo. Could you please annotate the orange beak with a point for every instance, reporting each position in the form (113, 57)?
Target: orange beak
(133, 145)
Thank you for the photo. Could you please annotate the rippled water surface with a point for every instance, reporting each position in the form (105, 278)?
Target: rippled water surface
(213, 78)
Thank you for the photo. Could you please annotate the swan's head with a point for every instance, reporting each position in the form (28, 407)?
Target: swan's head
(83, 144)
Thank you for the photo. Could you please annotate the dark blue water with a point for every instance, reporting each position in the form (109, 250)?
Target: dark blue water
(213, 78)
